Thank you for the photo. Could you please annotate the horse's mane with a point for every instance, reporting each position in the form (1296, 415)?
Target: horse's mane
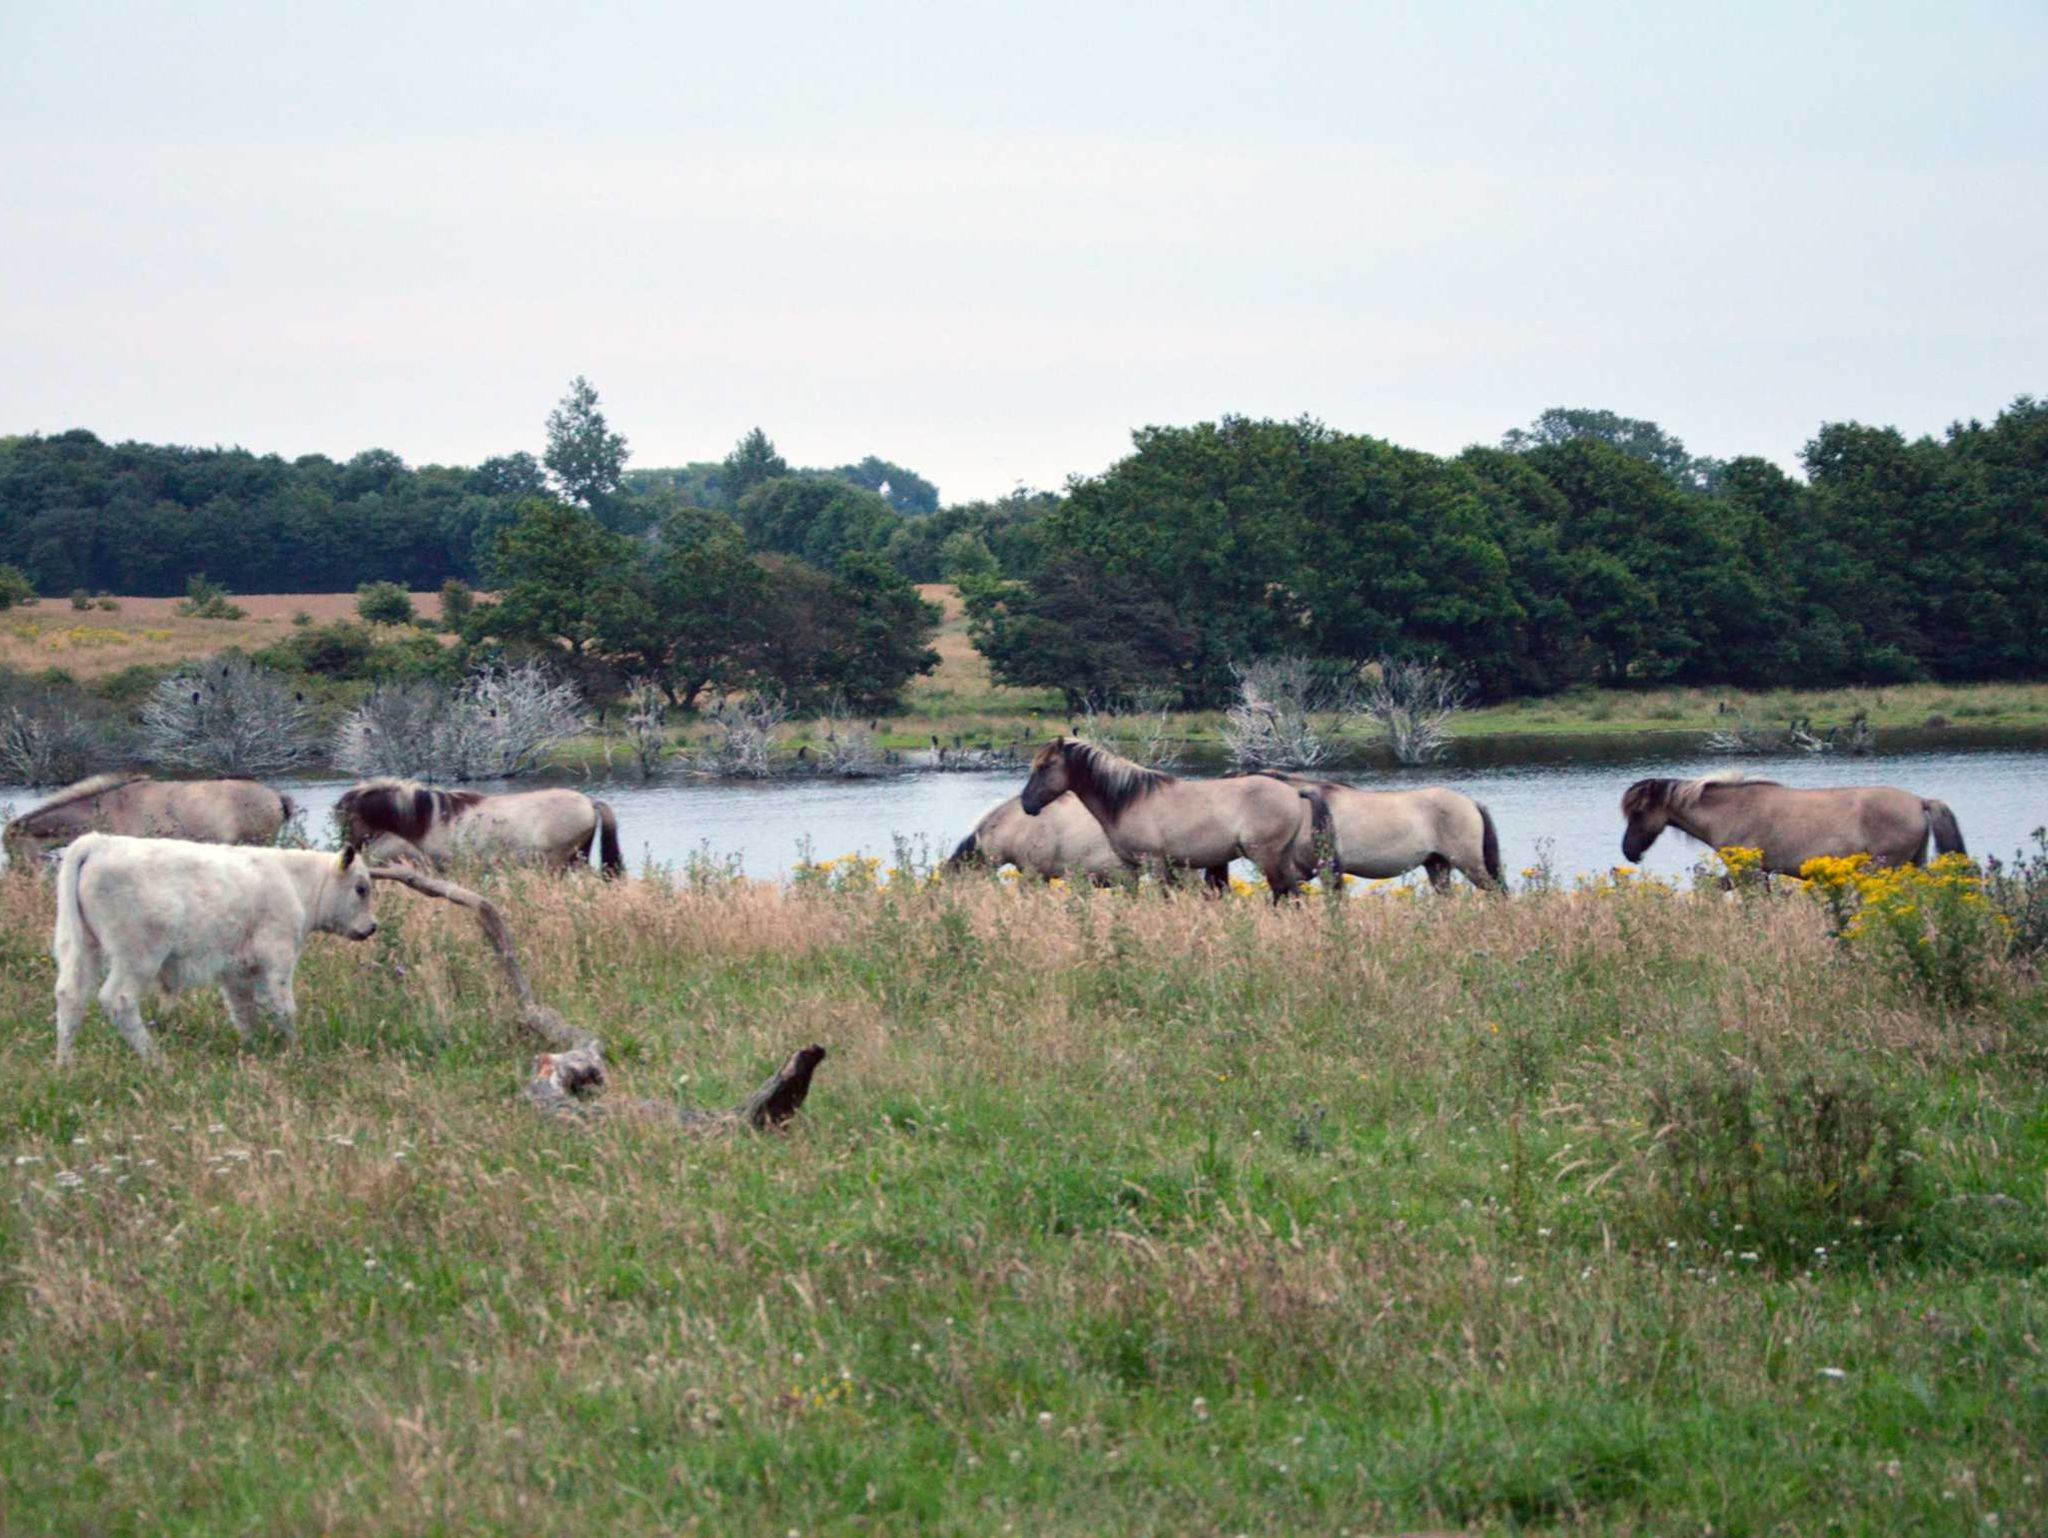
(97, 785)
(1681, 795)
(1120, 781)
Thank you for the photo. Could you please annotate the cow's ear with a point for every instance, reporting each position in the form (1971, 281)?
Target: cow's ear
(348, 857)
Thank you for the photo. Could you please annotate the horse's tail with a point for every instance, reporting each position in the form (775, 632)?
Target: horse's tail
(1941, 822)
(1489, 846)
(608, 833)
(1321, 857)
(966, 852)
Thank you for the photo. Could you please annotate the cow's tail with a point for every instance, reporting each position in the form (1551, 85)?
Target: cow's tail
(967, 852)
(73, 939)
(608, 840)
(1489, 846)
(1941, 822)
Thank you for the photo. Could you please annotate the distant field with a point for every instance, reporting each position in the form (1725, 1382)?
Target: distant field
(149, 632)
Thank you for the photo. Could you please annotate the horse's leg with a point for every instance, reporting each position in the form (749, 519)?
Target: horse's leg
(1218, 879)
(1439, 870)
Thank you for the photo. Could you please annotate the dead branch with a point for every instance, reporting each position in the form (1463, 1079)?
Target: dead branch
(536, 1017)
(566, 1079)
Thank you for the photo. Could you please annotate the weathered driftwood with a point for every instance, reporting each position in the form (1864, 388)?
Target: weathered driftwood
(566, 1078)
(561, 1080)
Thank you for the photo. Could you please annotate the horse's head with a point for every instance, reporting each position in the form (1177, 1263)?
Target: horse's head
(1647, 806)
(1049, 776)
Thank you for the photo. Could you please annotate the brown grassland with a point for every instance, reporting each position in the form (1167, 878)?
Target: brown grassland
(1612, 1211)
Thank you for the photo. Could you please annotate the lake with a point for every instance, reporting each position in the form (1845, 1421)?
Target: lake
(2000, 795)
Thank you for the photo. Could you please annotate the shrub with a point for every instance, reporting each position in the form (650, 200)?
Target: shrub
(1272, 725)
(227, 716)
(1413, 701)
(384, 603)
(743, 744)
(107, 602)
(2019, 892)
(207, 600)
(498, 724)
(1934, 927)
(16, 591)
(52, 735)
(458, 599)
(80, 598)
(1776, 1167)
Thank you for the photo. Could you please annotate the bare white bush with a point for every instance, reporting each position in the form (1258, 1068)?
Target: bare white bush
(499, 724)
(847, 748)
(44, 743)
(1412, 700)
(1139, 727)
(743, 744)
(646, 733)
(227, 716)
(1272, 725)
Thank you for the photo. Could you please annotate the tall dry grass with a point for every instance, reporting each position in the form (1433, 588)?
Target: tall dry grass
(1107, 1213)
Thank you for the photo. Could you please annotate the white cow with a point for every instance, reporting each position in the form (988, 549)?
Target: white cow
(141, 914)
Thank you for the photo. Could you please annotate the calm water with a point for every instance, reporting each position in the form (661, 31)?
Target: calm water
(2000, 796)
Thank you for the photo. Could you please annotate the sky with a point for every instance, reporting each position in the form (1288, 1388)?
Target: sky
(989, 241)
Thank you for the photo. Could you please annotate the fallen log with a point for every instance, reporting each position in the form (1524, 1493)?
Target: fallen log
(567, 1078)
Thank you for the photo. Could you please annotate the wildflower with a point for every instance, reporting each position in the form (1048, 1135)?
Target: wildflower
(1833, 1373)
(1201, 1408)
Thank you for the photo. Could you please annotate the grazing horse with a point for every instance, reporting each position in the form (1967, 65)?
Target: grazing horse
(1382, 833)
(1062, 840)
(1160, 821)
(1789, 826)
(202, 811)
(549, 827)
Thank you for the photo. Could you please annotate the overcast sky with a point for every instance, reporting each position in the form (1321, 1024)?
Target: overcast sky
(989, 240)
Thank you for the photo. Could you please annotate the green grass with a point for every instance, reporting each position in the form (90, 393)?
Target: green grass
(1106, 1215)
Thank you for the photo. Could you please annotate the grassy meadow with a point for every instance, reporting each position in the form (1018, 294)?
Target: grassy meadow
(1611, 1211)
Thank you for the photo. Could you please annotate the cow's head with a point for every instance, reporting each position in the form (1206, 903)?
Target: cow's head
(346, 907)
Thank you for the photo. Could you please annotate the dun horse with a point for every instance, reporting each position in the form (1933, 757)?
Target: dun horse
(203, 811)
(551, 827)
(1382, 833)
(1160, 821)
(1789, 826)
(1062, 840)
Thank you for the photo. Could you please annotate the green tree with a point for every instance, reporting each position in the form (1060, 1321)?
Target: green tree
(905, 490)
(384, 603)
(816, 518)
(15, 587)
(704, 600)
(586, 458)
(563, 580)
(752, 461)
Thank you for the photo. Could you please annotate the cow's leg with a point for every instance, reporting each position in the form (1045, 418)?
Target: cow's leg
(77, 976)
(121, 998)
(240, 993)
(275, 989)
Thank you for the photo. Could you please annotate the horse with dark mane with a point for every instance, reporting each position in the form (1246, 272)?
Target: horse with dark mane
(202, 811)
(1384, 833)
(1790, 826)
(548, 827)
(1162, 822)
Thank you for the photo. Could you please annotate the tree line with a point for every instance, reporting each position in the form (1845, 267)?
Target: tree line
(1587, 549)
